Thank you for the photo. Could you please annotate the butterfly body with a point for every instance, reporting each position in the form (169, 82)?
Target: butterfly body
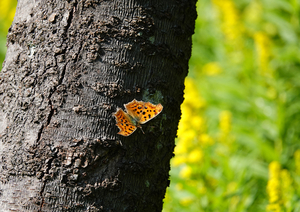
(137, 113)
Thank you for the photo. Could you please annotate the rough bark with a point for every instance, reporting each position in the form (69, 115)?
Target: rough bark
(69, 65)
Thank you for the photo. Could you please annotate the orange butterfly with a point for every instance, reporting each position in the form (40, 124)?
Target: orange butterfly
(137, 113)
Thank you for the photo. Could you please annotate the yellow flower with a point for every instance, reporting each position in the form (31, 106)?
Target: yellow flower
(197, 123)
(195, 156)
(212, 69)
(273, 208)
(191, 95)
(184, 123)
(186, 112)
(4, 6)
(186, 201)
(185, 141)
(225, 122)
(273, 187)
(206, 140)
(274, 169)
(186, 172)
(178, 160)
(262, 43)
(190, 119)
(8, 9)
(287, 189)
(231, 25)
(180, 149)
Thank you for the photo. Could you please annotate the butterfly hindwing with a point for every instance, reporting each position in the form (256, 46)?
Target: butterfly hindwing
(124, 123)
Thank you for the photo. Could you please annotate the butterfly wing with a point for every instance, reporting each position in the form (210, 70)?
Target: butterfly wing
(150, 111)
(135, 109)
(124, 123)
(141, 111)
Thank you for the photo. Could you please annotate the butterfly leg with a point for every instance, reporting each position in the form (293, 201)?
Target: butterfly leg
(139, 126)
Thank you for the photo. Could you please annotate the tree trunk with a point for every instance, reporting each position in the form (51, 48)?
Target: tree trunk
(68, 66)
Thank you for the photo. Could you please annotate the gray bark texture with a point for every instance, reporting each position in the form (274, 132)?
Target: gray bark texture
(69, 65)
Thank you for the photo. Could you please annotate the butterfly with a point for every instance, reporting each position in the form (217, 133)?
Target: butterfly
(137, 113)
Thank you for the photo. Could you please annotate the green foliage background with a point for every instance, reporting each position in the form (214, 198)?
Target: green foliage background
(238, 143)
(238, 139)
(7, 13)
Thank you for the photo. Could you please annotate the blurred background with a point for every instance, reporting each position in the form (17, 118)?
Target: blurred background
(8, 9)
(238, 145)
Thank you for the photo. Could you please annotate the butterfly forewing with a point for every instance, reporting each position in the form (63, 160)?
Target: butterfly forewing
(137, 112)
(124, 123)
(142, 111)
(150, 111)
(135, 109)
